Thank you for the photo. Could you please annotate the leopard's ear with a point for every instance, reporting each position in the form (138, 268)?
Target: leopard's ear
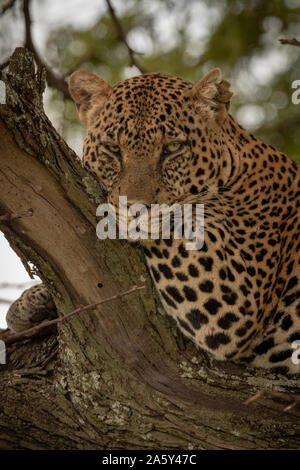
(87, 89)
(211, 95)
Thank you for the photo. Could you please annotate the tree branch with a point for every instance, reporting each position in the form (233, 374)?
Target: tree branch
(292, 42)
(53, 80)
(123, 38)
(5, 301)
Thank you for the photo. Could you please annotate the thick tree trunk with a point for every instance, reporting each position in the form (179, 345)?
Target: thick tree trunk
(120, 377)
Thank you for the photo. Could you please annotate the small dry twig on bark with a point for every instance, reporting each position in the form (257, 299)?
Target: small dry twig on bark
(292, 42)
(32, 331)
(122, 37)
(19, 215)
(293, 399)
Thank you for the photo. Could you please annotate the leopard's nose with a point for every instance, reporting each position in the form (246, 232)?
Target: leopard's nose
(131, 202)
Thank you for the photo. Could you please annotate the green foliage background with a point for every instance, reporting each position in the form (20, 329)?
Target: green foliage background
(187, 38)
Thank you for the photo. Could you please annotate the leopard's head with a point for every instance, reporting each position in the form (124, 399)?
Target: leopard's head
(153, 138)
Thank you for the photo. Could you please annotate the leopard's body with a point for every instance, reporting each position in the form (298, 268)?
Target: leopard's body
(159, 139)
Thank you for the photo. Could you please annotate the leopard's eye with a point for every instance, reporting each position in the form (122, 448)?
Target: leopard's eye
(113, 148)
(172, 147)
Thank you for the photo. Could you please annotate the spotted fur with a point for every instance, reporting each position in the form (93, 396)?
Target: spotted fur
(31, 308)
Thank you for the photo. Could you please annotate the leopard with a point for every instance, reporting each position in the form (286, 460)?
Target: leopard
(160, 139)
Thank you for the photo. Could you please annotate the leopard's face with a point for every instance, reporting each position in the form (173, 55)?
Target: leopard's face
(146, 138)
(148, 165)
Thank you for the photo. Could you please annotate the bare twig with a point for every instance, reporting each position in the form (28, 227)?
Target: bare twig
(293, 399)
(17, 285)
(6, 301)
(16, 215)
(122, 37)
(52, 80)
(254, 397)
(292, 42)
(32, 331)
(9, 4)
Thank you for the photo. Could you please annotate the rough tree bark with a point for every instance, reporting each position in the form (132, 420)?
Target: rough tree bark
(119, 377)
